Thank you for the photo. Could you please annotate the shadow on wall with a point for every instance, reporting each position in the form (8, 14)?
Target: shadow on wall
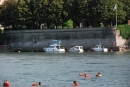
(70, 37)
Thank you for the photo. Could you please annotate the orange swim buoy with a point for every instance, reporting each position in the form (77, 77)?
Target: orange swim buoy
(34, 84)
(6, 84)
(76, 84)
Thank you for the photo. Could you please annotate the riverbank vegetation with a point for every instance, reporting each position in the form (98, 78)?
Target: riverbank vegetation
(36, 14)
(125, 31)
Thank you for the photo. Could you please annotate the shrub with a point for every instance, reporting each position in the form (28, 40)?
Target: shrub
(124, 31)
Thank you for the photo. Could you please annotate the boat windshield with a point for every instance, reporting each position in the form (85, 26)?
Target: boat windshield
(56, 42)
(51, 46)
(96, 46)
(81, 47)
(77, 47)
(59, 47)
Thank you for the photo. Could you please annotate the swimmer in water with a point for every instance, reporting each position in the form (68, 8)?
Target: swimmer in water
(99, 74)
(81, 74)
(40, 83)
(75, 83)
(6, 83)
(87, 75)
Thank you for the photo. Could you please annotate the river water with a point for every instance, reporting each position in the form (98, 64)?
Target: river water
(61, 69)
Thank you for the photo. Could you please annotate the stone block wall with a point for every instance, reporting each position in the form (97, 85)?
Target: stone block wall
(87, 37)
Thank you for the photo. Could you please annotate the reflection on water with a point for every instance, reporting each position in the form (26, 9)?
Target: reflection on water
(61, 69)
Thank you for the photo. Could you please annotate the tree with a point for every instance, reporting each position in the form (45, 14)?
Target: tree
(29, 13)
(95, 10)
(69, 24)
(8, 13)
(78, 11)
(108, 15)
(53, 12)
(125, 31)
(126, 8)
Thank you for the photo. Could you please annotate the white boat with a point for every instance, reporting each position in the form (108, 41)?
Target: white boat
(99, 48)
(55, 47)
(76, 49)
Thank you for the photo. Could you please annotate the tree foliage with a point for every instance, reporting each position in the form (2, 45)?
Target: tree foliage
(31, 14)
(69, 24)
(8, 13)
(125, 31)
(126, 8)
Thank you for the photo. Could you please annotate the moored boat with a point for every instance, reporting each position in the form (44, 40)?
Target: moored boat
(99, 48)
(76, 49)
(55, 47)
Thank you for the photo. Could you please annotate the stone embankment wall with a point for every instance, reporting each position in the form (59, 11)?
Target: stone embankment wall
(88, 37)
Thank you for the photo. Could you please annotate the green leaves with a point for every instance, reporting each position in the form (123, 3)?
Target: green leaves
(8, 13)
(124, 31)
(34, 13)
(69, 24)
